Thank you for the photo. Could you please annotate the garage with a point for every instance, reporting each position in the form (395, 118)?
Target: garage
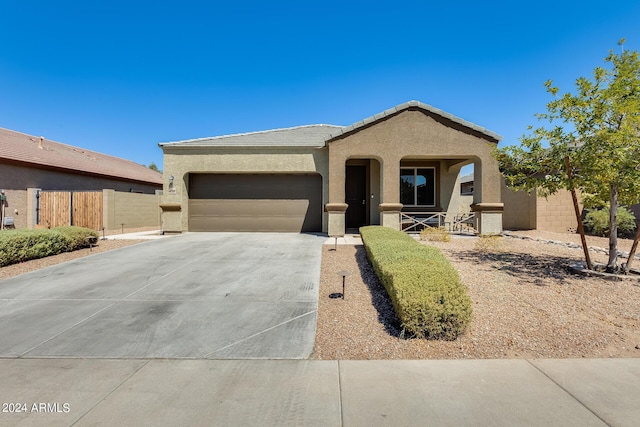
(255, 202)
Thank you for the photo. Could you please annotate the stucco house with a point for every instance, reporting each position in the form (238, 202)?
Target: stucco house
(396, 165)
(32, 164)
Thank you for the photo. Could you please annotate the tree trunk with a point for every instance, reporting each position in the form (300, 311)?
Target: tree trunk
(632, 252)
(612, 264)
(576, 209)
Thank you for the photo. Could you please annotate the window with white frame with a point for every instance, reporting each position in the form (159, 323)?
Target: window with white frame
(418, 187)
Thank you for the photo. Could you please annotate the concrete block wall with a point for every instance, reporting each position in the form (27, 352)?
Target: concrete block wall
(16, 207)
(134, 210)
(556, 213)
(524, 211)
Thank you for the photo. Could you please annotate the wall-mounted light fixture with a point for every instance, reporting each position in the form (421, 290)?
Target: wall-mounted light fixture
(171, 178)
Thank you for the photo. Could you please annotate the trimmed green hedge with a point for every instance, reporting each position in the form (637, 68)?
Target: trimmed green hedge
(23, 245)
(425, 289)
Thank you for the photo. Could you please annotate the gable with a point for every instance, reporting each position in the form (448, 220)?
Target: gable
(413, 132)
(445, 119)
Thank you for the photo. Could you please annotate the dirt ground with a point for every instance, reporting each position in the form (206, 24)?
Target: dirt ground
(527, 303)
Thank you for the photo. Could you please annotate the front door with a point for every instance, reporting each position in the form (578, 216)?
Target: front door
(356, 196)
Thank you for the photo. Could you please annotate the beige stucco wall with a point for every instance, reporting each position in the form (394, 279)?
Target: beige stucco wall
(466, 201)
(416, 134)
(180, 161)
(450, 197)
(131, 209)
(519, 209)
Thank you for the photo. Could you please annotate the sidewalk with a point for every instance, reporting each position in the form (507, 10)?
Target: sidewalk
(141, 235)
(142, 392)
(347, 239)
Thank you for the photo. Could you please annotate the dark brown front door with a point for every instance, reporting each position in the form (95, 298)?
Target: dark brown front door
(356, 196)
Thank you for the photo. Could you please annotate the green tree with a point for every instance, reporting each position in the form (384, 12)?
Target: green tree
(590, 142)
(153, 167)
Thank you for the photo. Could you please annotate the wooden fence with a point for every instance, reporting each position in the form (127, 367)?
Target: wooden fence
(81, 208)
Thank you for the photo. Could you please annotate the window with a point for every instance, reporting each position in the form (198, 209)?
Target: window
(418, 186)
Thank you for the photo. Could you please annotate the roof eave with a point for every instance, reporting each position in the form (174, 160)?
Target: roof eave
(174, 146)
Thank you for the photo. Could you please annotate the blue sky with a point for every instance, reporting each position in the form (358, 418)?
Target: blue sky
(120, 76)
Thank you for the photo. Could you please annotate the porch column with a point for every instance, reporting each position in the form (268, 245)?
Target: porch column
(487, 205)
(390, 206)
(390, 215)
(336, 222)
(390, 180)
(488, 217)
(336, 208)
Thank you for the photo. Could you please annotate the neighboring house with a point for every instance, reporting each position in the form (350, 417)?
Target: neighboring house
(466, 185)
(325, 178)
(29, 163)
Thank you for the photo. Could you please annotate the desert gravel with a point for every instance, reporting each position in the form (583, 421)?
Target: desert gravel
(526, 304)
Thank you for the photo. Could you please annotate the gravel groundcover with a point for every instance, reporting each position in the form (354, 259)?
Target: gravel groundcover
(526, 304)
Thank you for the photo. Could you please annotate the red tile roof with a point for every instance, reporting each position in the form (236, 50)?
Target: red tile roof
(34, 150)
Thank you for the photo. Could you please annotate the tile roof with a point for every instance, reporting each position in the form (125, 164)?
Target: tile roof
(298, 136)
(314, 135)
(420, 105)
(23, 148)
(467, 178)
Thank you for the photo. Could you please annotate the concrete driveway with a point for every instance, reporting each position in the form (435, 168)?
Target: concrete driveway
(197, 295)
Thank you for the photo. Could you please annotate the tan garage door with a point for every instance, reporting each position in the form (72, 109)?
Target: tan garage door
(255, 202)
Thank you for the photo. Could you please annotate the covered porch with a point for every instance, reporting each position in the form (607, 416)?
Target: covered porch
(401, 169)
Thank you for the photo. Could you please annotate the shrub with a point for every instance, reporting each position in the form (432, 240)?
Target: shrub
(489, 243)
(79, 235)
(597, 222)
(23, 245)
(425, 289)
(433, 234)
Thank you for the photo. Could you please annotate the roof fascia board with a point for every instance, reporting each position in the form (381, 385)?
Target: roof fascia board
(191, 147)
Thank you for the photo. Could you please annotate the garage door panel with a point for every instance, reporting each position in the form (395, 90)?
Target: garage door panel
(285, 203)
(230, 223)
